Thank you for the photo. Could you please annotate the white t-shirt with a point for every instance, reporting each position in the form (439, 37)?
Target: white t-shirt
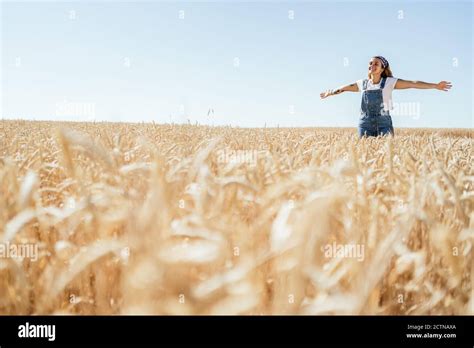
(386, 93)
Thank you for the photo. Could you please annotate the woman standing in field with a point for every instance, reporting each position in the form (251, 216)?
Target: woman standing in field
(377, 90)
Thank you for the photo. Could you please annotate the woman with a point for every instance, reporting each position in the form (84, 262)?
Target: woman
(377, 96)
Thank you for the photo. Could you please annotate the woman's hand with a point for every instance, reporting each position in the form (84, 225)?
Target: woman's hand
(326, 94)
(347, 88)
(404, 84)
(444, 86)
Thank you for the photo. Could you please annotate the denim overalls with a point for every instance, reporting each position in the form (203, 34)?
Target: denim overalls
(374, 120)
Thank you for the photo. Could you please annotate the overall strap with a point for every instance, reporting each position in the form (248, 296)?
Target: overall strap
(364, 84)
(382, 84)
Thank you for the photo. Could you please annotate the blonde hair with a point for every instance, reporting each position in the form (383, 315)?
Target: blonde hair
(385, 73)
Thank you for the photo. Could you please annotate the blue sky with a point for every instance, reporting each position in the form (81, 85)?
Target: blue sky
(253, 63)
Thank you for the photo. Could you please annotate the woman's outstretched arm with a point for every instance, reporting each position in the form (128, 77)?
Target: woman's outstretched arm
(347, 88)
(404, 84)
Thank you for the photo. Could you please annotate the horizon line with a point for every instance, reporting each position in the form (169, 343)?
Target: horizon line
(210, 125)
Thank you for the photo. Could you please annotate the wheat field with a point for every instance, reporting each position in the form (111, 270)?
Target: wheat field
(189, 219)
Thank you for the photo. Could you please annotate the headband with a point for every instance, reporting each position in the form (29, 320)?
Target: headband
(384, 61)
